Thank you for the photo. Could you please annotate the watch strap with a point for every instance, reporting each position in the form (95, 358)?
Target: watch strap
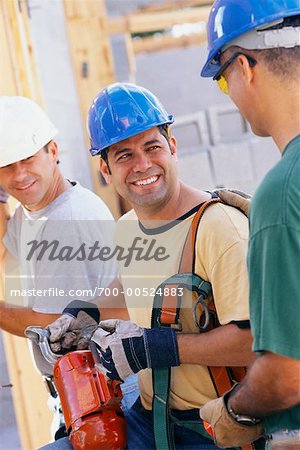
(242, 419)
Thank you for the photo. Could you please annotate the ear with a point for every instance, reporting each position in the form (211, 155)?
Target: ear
(173, 145)
(246, 70)
(105, 171)
(53, 150)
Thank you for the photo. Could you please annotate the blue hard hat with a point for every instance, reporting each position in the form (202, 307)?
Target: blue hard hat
(122, 110)
(230, 19)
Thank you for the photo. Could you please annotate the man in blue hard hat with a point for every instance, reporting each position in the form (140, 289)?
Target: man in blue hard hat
(129, 129)
(254, 55)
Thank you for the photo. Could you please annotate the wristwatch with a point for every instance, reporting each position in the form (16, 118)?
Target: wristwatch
(240, 418)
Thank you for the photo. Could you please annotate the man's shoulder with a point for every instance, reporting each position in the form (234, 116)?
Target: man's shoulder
(222, 228)
(275, 200)
(79, 203)
(285, 173)
(220, 219)
(82, 193)
(17, 215)
(127, 225)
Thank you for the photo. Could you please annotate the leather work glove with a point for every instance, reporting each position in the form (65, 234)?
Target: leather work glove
(3, 195)
(227, 432)
(75, 327)
(125, 348)
(233, 197)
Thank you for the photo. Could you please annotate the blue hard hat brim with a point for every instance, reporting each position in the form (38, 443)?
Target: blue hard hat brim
(209, 70)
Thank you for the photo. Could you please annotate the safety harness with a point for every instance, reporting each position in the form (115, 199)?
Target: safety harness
(166, 313)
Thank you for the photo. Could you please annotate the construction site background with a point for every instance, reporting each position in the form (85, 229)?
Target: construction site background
(216, 146)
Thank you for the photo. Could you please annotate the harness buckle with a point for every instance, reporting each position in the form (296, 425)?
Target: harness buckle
(201, 300)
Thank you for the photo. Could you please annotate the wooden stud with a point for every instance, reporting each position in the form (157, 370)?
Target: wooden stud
(166, 42)
(142, 23)
(20, 77)
(179, 4)
(93, 68)
(130, 56)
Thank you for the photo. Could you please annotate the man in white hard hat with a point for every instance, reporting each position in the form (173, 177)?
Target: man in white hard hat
(30, 173)
(254, 55)
(53, 227)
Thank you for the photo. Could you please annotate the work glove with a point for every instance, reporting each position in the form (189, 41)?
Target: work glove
(125, 348)
(233, 197)
(227, 432)
(75, 327)
(3, 195)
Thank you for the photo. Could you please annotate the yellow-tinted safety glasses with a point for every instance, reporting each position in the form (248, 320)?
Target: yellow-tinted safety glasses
(219, 77)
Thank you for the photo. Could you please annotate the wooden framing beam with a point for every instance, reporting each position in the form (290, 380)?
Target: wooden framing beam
(142, 23)
(177, 4)
(20, 77)
(166, 42)
(93, 68)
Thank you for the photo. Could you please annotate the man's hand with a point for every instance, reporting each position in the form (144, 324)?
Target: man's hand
(227, 431)
(126, 348)
(233, 197)
(75, 327)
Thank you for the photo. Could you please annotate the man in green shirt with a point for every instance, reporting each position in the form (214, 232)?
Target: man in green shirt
(254, 55)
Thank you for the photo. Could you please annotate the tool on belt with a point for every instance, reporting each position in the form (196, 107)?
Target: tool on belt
(91, 402)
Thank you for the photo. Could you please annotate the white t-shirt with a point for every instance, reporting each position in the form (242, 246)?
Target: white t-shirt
(57, 249)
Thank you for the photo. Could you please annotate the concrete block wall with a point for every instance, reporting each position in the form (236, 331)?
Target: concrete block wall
(224, 152)
(215, 144)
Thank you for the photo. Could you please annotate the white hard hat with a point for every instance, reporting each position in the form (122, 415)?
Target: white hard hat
(24, 129)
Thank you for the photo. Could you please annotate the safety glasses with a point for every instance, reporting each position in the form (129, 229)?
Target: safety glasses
(219, 77)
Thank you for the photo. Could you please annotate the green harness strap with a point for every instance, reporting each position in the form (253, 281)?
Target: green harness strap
(164, 313)
(163, 432)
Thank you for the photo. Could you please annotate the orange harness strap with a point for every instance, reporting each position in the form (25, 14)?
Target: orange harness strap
(223, 378)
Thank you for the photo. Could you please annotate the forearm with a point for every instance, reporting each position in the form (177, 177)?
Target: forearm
(113, 313)
(271, 385)
(14, 320)
(224, 346)
(112, 306)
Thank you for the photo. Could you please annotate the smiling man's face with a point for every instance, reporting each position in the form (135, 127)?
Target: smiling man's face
(143, 169)
(30, 180)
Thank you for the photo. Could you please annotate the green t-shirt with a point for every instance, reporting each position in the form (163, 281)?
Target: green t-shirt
(274, 268)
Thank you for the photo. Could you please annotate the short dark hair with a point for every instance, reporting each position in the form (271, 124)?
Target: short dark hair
(165, 132)
(104, 154)
(282, 62)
